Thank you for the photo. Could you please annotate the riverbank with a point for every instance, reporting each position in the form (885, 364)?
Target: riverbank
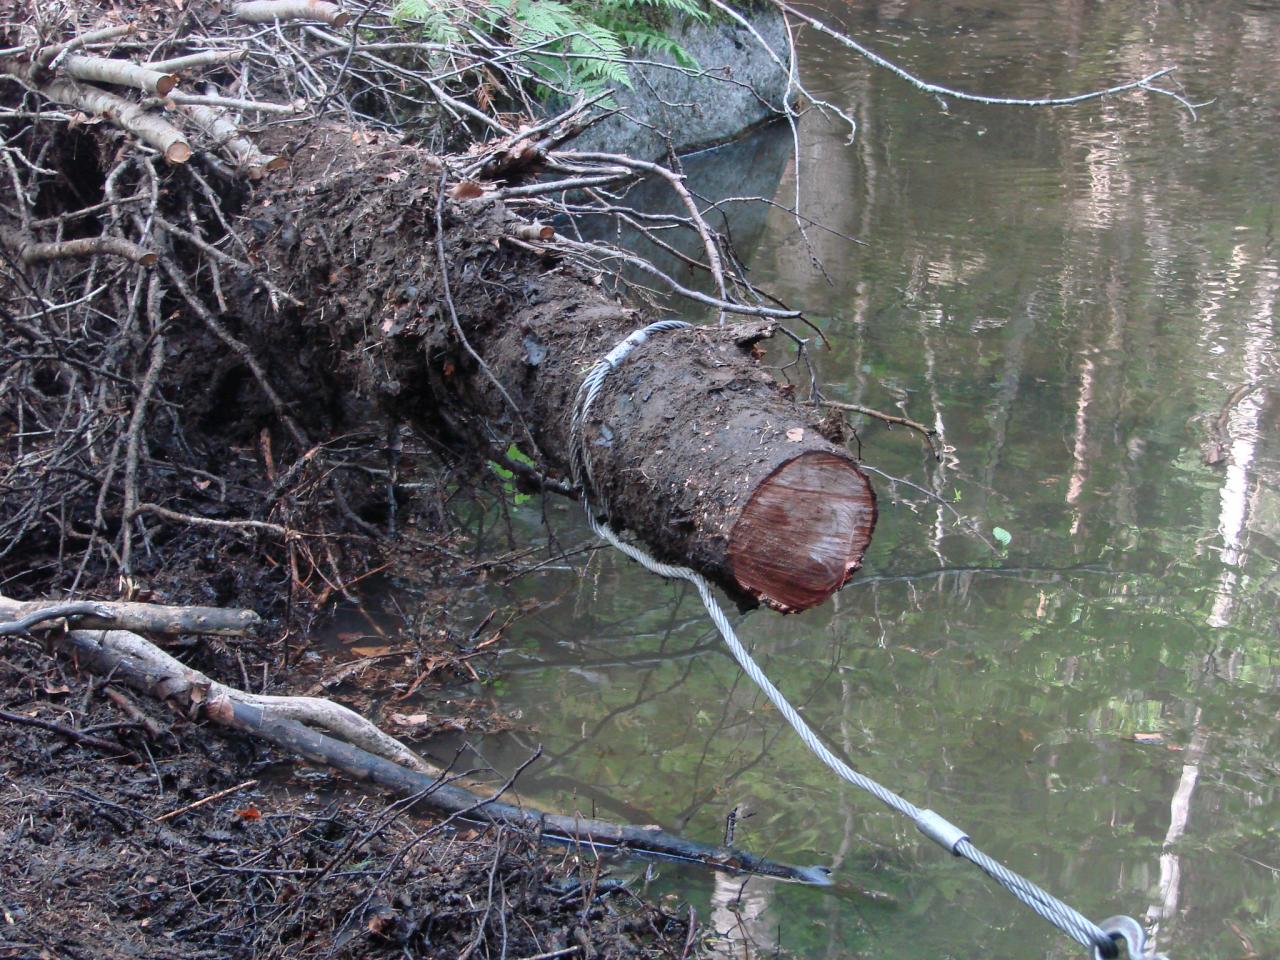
(144, 834)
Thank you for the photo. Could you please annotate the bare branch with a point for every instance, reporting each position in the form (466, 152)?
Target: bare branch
(46, 56)
(193, 61)
(243, 526)
(227, 138)
(929, 434)
(152, 130)
(140, 617)
(267, 11)
(86, 247)
(940, 91)
(75, 736)
(234, 103)
(121, 73)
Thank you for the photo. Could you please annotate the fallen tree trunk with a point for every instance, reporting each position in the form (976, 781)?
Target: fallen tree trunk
(693, 445)
(340, 258)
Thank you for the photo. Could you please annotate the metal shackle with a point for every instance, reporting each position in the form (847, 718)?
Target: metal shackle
(1132, 933)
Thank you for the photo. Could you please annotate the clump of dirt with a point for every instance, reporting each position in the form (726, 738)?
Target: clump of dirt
(110, 853)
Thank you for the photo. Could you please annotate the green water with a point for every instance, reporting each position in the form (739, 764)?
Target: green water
(1070, 297)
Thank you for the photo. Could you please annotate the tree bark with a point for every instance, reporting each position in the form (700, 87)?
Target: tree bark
(693, 444)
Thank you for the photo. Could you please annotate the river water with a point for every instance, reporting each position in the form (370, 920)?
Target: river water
(1083, 302)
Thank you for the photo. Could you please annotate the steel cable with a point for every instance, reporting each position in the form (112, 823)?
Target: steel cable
(1070, 921)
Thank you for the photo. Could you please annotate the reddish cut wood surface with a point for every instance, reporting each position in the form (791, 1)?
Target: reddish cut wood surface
(802, 534)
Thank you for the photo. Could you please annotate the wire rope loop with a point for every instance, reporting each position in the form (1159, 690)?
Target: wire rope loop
(579, 463)
(1132, 933)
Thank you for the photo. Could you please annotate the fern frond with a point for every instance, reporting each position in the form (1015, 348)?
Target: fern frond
(647, 40)
(439, 21)
(581, 44)
(539, 20)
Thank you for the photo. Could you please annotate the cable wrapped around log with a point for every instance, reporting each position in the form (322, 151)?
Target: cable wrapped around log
(694, 446)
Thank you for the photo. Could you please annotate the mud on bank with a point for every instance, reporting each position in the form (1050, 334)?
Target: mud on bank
(97, 863)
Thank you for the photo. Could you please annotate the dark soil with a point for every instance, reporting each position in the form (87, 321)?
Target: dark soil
(297, 865)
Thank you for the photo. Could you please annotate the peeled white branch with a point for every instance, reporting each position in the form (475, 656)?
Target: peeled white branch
(193, 61)
(150, 129)
(234, 103)
(145, 617)
(120, 73)
(47, 55)
(266, 11)
(226, 135)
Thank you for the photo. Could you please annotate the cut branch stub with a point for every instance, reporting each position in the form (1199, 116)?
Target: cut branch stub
(226, 138)
(87, 247)
(150, 129)
(803, 531)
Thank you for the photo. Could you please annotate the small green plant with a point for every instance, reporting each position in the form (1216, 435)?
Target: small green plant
(508, 476)
(573, 45)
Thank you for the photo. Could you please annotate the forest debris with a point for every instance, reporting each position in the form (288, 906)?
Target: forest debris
(132, 660)
(196, 804)
(93, 865)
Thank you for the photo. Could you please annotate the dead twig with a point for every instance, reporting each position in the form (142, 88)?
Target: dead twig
(133, 711)
(197, 804)
(930, 435)
(75, 736)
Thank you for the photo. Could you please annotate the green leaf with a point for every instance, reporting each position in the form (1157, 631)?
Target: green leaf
(1003, 536)
(519, 456)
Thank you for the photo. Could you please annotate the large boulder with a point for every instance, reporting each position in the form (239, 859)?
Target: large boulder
(698, 109)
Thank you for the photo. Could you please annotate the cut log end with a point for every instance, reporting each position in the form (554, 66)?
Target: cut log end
(178, 152)
(803, 532)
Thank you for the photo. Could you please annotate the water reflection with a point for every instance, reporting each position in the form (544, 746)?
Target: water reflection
(1083, 303)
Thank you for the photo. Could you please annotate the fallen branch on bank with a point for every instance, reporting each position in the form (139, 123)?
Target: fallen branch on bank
(176, 679)
(139, 617)
(365, 754)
